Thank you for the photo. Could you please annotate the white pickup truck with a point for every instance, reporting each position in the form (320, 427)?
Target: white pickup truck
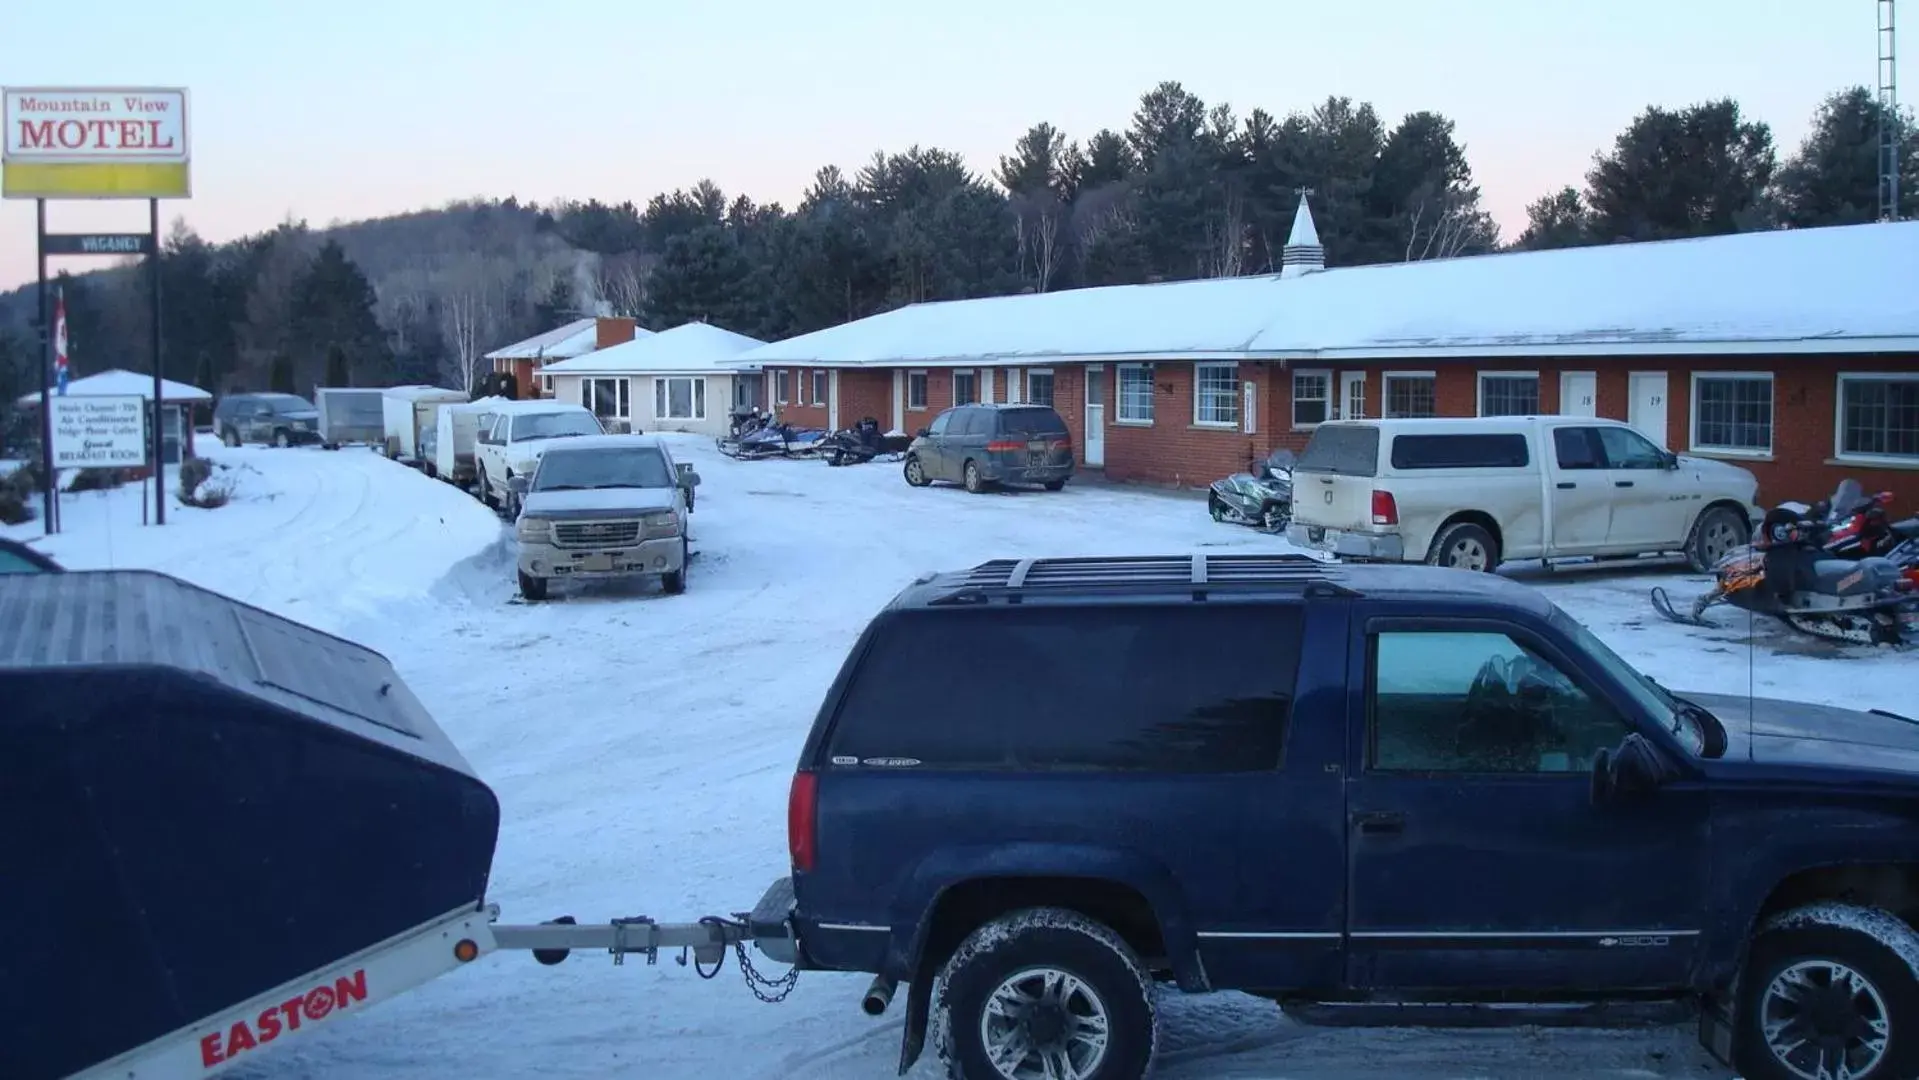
(1475, 492)
(511, 446)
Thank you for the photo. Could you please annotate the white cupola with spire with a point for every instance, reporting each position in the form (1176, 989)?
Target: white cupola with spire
(1302, 253)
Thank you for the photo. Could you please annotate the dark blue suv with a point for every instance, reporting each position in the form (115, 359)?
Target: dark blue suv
(1323, 783)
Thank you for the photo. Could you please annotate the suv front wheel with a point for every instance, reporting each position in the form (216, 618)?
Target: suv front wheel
(1829, 989)
(1046, 992)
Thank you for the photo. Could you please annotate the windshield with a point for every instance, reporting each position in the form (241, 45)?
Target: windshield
(553, 425)
(1649, 695)
(580, 470)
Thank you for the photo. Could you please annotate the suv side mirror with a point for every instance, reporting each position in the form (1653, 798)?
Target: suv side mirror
(1634, 769)
(923, 433)
(517, 485)
(688, 478)
(1668, 459)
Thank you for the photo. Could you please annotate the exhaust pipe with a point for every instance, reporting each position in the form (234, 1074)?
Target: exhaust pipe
(879, 995)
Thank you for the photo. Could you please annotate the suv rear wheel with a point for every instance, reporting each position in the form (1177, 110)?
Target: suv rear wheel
(971, 478)
(1046, 992)
(1829, 990)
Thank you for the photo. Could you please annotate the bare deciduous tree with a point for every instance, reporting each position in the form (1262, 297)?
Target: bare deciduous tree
(1445, 224)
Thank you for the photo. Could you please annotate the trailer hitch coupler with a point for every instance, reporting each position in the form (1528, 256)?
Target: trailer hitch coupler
(879, 995)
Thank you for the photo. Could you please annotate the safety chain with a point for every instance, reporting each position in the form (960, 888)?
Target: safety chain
(775, 990)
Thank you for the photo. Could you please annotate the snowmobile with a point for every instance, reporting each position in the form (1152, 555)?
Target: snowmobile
(1788, 574)
(1861, 525)
(1262, 498)
(777, 440)
(741, 423)
(862, 443)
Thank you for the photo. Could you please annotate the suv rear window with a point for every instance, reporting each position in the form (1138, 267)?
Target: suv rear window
(1190, 689)
(1344, 450)
(1480, 450)
(1033, 421)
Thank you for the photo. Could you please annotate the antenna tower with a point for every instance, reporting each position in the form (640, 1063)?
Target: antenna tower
(1892, 136)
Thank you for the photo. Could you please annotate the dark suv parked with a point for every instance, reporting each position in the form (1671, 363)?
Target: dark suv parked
(978, 445)
(1325, 783)
(278, 419)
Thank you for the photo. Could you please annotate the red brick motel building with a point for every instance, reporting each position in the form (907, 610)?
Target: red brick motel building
(1792, 353)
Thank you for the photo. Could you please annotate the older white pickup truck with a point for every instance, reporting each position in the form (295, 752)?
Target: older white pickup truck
(1475, 492)
(604, 506)
(520, 432)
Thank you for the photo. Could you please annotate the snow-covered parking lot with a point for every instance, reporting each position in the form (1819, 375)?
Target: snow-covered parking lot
(641, 745)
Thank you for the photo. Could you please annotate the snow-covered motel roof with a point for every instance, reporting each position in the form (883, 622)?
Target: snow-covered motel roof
(576, 338)
(1844, 289)
(688, 349)
(117, 382)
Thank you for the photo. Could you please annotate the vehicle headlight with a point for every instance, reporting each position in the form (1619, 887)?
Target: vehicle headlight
(538, 529)
(659, 526)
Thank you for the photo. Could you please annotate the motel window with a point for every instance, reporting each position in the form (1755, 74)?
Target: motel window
(1135, 394)
(1411, 396)
(782, 387)
(546, 385)
(916, 389)
(1216, 394)
(819, 387)
(1732, 412)
(1509, 393)
(679, 399)
(606, 398)
(1039, 387)
(1879, 417)
(965, 387)
(1312, 397)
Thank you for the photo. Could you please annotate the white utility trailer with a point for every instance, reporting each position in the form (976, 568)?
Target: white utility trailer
(411, 410)
(456, 426)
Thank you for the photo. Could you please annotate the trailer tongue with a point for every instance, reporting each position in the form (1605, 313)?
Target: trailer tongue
(240, 828)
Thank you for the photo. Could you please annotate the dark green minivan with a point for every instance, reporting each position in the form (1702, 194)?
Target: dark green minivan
(983, 445)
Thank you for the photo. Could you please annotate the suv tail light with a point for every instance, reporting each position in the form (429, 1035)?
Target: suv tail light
(1385, 510)
(1001, 445)
(802, 822)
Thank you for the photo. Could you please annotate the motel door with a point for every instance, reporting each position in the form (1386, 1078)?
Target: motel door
(899, 401)
(1096, 415)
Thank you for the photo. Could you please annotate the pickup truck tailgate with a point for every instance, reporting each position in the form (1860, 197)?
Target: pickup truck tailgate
(1333, 481)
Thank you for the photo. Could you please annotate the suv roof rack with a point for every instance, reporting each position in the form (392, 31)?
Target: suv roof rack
(1200, 576)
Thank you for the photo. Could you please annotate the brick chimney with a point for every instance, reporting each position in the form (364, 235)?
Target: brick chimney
(610, 330)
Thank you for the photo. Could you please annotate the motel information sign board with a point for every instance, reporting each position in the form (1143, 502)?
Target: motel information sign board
(95, 143)
(99, 432)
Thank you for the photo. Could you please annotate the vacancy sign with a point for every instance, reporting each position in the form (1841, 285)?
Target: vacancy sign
(102, 143)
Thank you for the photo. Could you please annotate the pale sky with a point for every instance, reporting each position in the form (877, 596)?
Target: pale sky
(353, 109)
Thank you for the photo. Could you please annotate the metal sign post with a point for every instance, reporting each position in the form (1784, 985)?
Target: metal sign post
(97, 143)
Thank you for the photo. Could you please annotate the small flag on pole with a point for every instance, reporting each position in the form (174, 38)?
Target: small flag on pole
(60, 341)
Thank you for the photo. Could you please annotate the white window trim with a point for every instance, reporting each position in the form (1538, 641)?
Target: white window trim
(1386, 390)
(957, 372)
(1479, 387)
(1119, 395)
(1692, 418)
(907, 390)
(663, 391)
(1026, 382)
(1839, 419)
(782, 386)
(1221, 425)
(587, 391)
(1292, 396)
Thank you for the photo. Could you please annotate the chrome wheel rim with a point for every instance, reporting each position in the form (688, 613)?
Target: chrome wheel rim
(1719, 539)
(1823, 1020)
(1467, 554)
(1042, 1023)
(913, 471)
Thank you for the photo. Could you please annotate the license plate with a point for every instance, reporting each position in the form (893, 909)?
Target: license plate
(596, 562)
(1038, 446)
(1322, 537)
